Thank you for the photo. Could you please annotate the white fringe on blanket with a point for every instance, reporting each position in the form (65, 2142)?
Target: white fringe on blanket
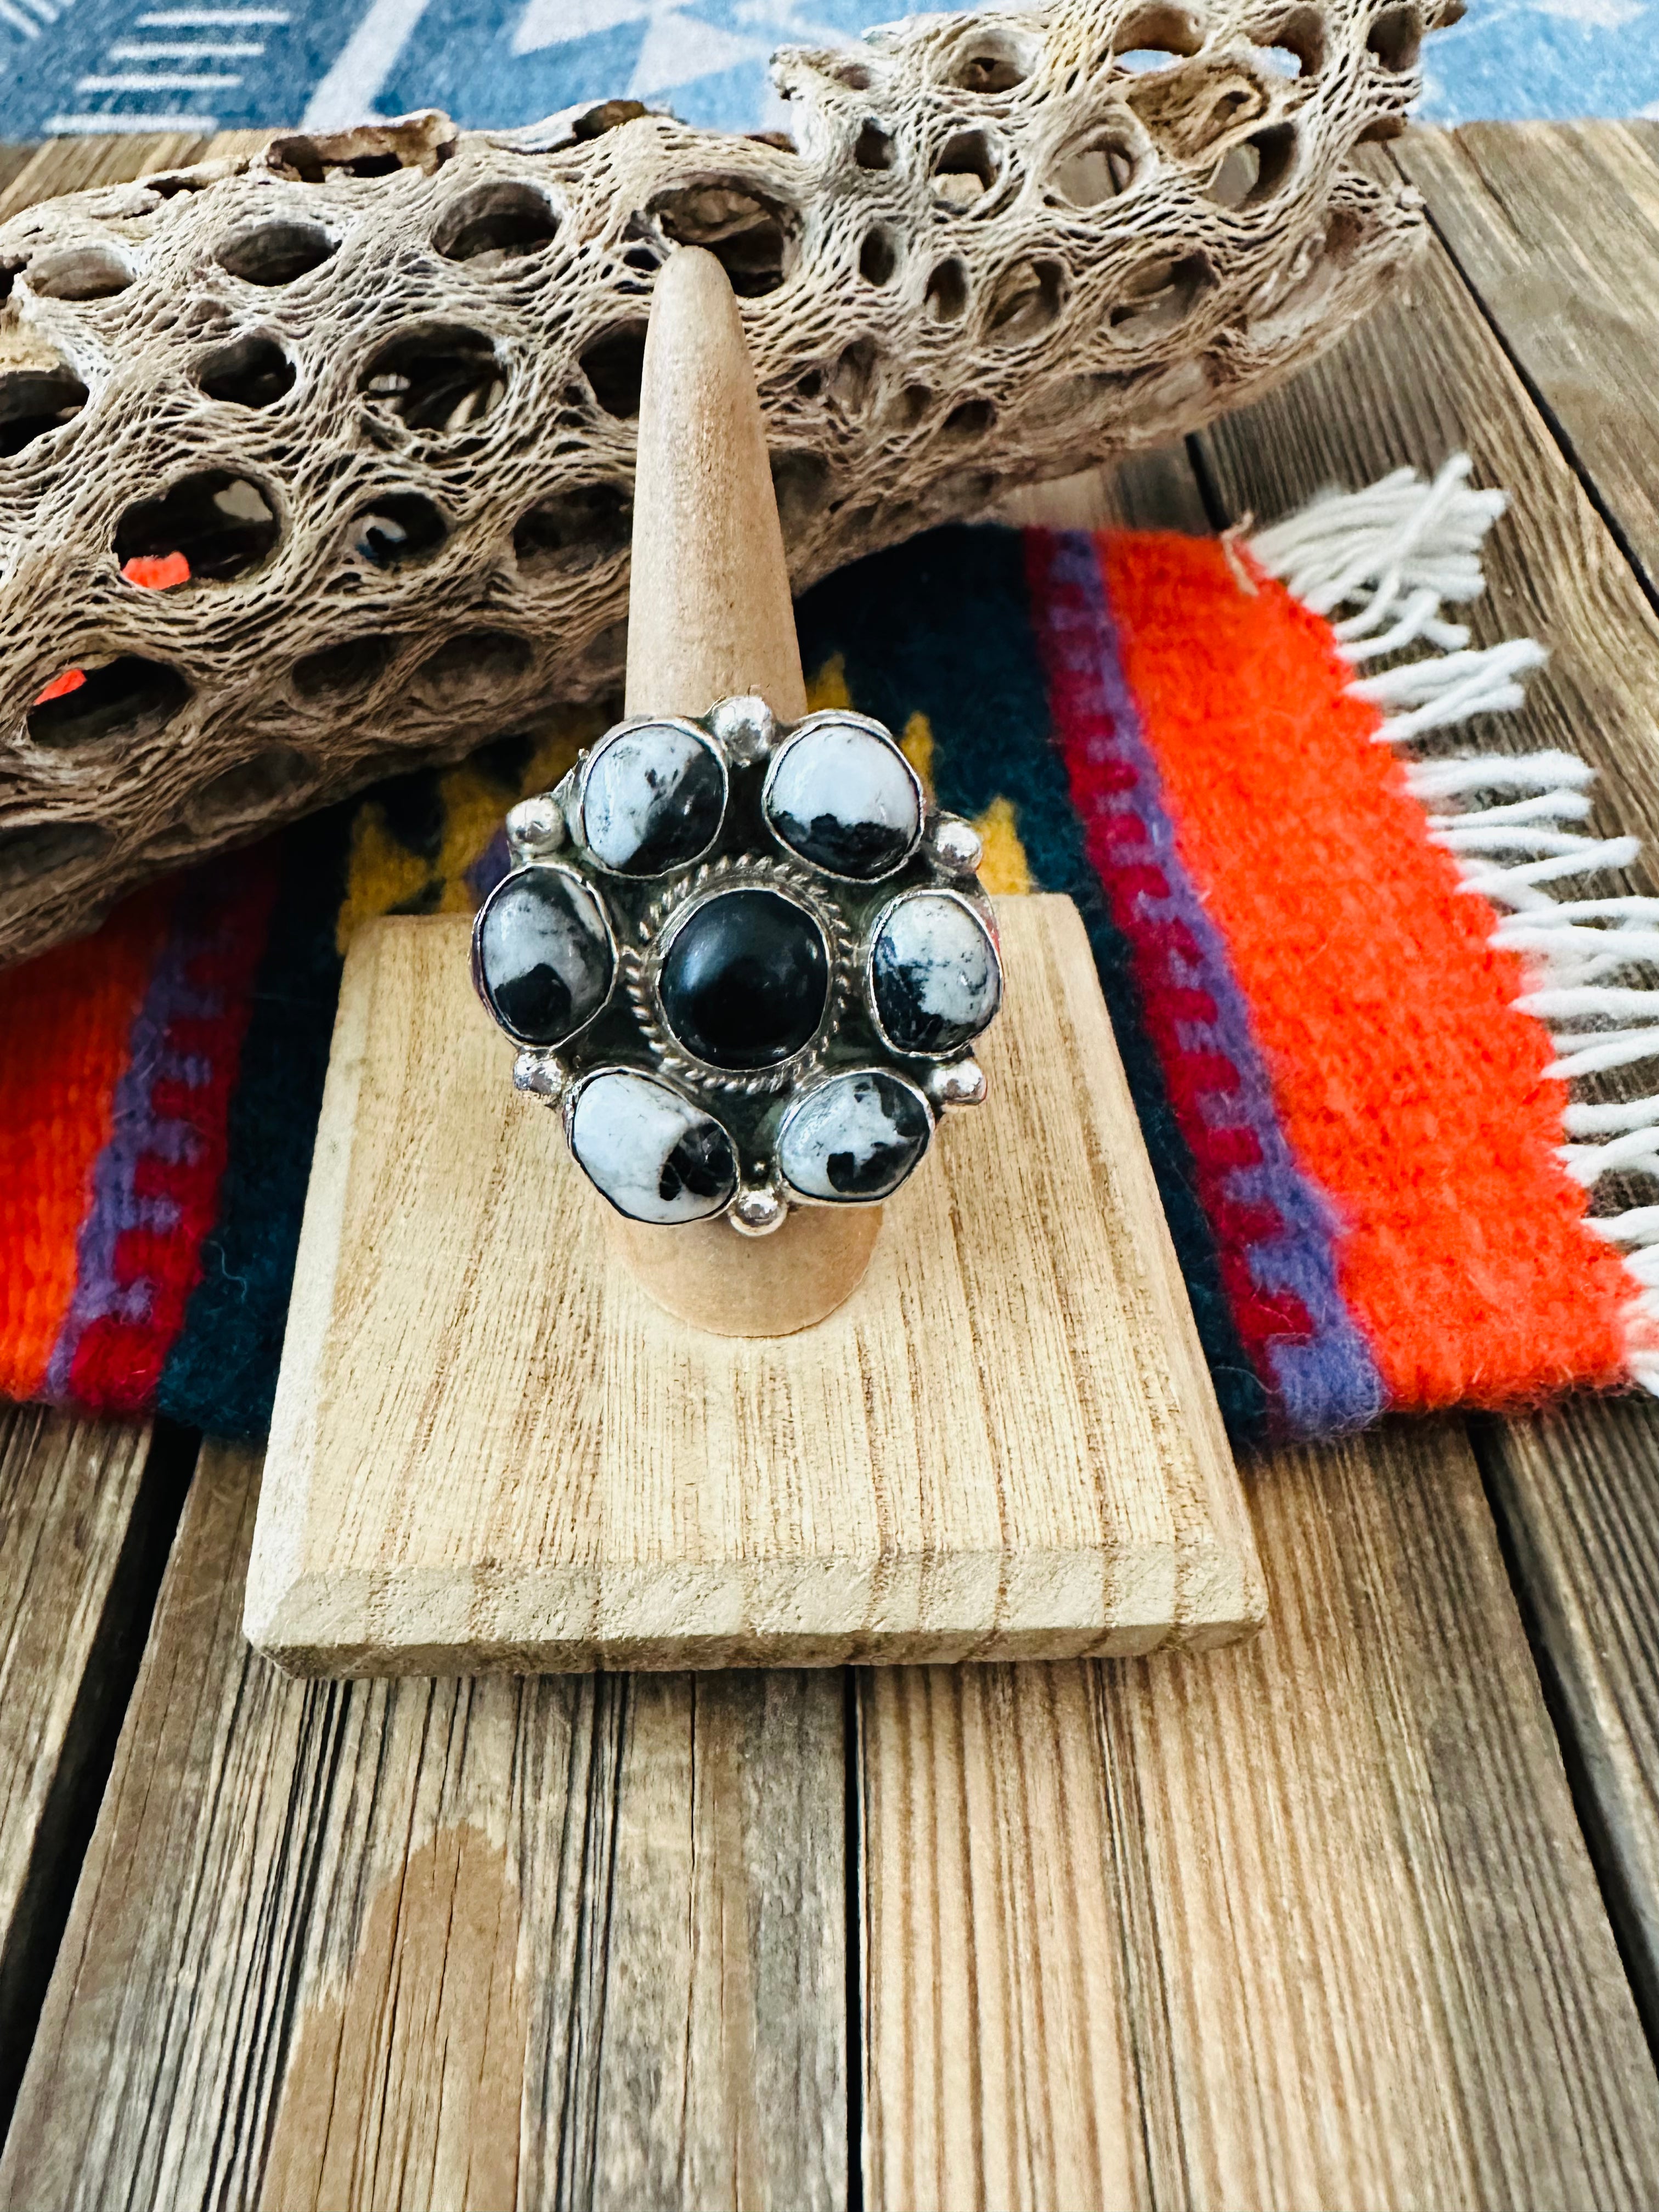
(1399, 554)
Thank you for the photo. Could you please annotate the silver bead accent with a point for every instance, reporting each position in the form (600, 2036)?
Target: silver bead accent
(957, 844)
(536, 826)
(542, 1074)
(757, 1210)
(745, 727)
(958, 1083)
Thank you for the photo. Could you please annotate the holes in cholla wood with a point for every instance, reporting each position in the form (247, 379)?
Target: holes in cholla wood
(581, 527)
(496, 224)
(1024, 300)
(341, 672)
(127, 697)
(968, 420)
(754, 238)
(223, 526)
(1292, 43)
(272, 781)
(181, 180)
(396, 530)
(878, 255)
(1151, 38)
(946, 297)
(1396, 39)
(990, 62)
(437, 377)
(1345, 234)
(278, 251)
(1255, 169)
(613, 365)
(33, 849)
(79, 272)
(853, 375)
(875, 147)
(36, 401)
(968, 165)
(423, 142)
(1097, 167)
(250, 372)
(800, 481)
(1161, 293)
(472, 670)
(609, 115)
(908, 404)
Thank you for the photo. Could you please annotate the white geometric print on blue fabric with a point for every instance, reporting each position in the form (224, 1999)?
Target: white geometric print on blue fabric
(1398, 554)
(1522, 60)
(141, 65)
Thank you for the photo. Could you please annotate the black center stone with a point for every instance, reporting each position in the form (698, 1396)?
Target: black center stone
(745, 980)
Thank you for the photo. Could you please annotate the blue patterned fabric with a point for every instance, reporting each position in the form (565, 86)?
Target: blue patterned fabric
(70, 66)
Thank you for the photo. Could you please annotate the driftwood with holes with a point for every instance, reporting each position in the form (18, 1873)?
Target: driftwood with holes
(317, 462)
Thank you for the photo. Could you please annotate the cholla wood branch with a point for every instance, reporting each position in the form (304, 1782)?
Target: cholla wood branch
(365, 404)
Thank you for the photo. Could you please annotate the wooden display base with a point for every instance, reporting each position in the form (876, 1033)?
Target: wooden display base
(491, 1449)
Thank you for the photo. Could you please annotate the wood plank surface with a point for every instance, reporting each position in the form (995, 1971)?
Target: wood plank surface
(443, 1944)
(1578, 1491)
(1556, 227)
(1311, 1923)
(1579, 1497)
(1307, 1923)
(74, 165)
(1152, 490)
(1425, 376)
(72, 1597)
(486, 1455)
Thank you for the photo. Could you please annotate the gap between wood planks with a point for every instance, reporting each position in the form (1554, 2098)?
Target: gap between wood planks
(88, 1511)
(1496, 349)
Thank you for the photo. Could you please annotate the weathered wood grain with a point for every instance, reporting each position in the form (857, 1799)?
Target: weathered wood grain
(1577, 1491)
(1577, 1495)
(1309, 1921)
(443, 1944)
(492, 1449)
(1556, 227)
(1152, 490)
(73, 165)
(1425, 377)
(70, 1595)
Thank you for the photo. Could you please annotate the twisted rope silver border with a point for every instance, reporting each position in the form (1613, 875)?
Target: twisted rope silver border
(641, 967)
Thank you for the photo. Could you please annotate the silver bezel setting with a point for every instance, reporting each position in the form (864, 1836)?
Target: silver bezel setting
(589, 1076)
(824, 719)
(642, 915)
(666, 916)
(804, 1098)
(981, 913)
(577, 812)
(590, 891)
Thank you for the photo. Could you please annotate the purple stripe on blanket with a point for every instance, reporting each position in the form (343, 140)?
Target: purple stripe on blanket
(1329, 1382)
(138, 1130)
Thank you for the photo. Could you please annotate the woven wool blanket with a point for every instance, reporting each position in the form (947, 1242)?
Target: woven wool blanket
(1355, 972)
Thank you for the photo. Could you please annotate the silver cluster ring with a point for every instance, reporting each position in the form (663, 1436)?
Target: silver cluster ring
(748, 960)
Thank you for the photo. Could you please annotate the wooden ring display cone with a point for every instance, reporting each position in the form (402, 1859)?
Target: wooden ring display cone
(508, 1436)
(710, 617)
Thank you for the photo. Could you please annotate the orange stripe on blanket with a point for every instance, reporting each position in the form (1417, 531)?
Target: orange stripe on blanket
(65, 1020)
(1408, 1086)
